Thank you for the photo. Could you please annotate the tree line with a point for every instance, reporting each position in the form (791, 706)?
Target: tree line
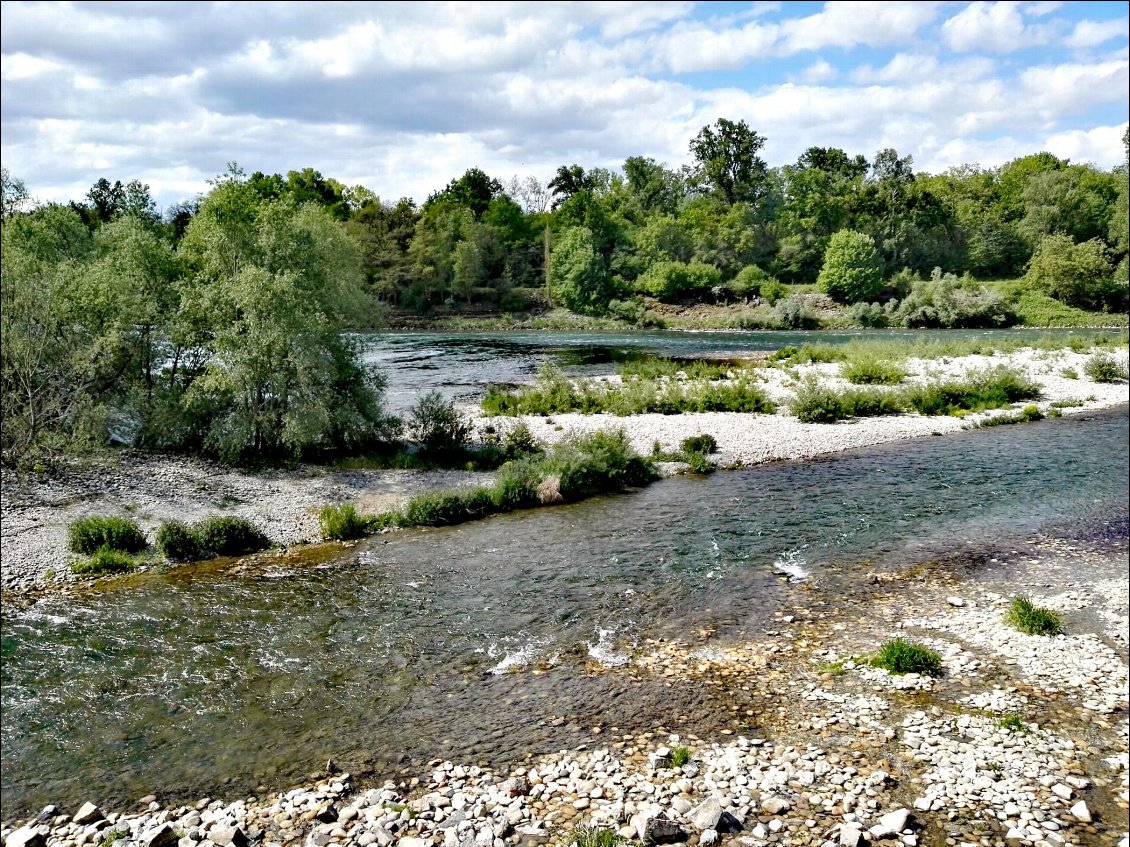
(216, 327)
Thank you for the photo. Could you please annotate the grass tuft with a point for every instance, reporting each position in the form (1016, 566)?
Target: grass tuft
(1104, 368)
(593, 836)
(900, 656)
(680, 755)
(104, 561)
(229, 536)
(89, 535)
(342, 523)
(1032, 619)
(178, 543)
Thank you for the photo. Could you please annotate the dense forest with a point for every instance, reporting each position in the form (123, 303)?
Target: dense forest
(216, 327)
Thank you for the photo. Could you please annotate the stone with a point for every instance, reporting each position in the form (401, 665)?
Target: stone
(706, 815)
(1080, 812)
(518, 786)
(26, 837)
(228, 836)
(775, 805)
(850, 835)
(162, 836)
(415, 842)
(89, 813)
(708, 837)
(1062, 791)
(891, 823)
(326, 813)
(955, 601)
(652, 828)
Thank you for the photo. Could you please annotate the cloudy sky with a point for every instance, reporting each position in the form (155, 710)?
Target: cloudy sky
(401, 98)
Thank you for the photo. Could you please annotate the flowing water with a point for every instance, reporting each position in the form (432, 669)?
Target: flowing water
(396, 651)
(461, 366)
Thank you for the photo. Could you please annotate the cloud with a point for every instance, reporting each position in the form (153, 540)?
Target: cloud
(820, 71)
(1094, 33)
(1102, 144)
(997, 27)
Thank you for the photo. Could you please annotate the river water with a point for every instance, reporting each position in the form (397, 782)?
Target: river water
(461, 366)
(469, 642)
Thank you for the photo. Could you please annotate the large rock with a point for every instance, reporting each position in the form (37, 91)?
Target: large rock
(162, 836)
(775, 805)
(228, 836)
(891, 823)
(652, 828)
(850, 835)
(89, 813)
(706, 815)
(1080, 812)
(26, 836)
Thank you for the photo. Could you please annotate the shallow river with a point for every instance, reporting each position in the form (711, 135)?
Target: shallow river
(198, 681)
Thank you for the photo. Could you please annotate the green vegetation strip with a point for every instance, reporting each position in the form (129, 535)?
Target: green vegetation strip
(580, 467)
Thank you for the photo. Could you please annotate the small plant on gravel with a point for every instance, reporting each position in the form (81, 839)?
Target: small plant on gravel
(680, 755)
(89, 535)
(1069, 373)
(342, 523)
(899, 656)
(1013, 723)
(178, 543)
(705, 444)
(112, 835)
(872, 371)
(1032, 619)
(593, 836)
(1103, 368)
(229, 536)
(698, 463)
(104, 561)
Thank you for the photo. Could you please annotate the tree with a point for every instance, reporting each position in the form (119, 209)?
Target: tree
(569, 181)
(13, 195)
(853, 270)
(653, 187)
(474, 190)
(727, 159)
(1076, 274)
(578, 279)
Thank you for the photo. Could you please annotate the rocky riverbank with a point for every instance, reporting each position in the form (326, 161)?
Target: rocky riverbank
(284, 503)
(1022, 740)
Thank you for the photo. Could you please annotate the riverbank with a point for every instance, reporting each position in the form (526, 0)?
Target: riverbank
(1022, 740)
(284, 503)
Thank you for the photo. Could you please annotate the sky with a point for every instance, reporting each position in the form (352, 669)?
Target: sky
(404, 97)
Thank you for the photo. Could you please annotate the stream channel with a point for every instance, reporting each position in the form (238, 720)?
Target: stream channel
(472, 642)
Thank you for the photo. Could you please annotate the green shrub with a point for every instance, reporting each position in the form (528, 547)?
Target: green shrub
(746, 283)
(698, 463)
(438, 426)
(1103, 368)
(668, 281)
(592, 836)
(229, 536)
(899, 657)
(1076, 274)
(1031, 619)
(342, 523)
(88, 535)
(520, 442)
(946, 301)
(1028, 414)
(680, 755)
(794, 313)
(178, 543)
(816, 403)
(704, 443)
(988, 389)
(852, 270)
(773, 291)
(104, 561)
(870, 315)
(868, 371)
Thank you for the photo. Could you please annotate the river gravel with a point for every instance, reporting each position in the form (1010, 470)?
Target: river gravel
(284, 504)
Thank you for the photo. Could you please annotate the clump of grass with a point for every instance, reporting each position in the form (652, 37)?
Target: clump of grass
(1028, 414)
(816, 403)
(104, 561)
(698, 463)
(1031, 619)
(230, 536)
(1104, 368)
(705, 444)
(112, 835)
(992, 388)
(178, 542)
(1013, 723)
(899, 657)
(593, 836)
(680, 755)
(89, 535)
(872, 371)
(342, 523)
(1069, 373)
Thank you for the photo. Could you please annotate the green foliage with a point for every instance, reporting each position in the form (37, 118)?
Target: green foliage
(1102, 367)
(772, 291)
(793, 313)
(104, 561)
(870, 315)
(87, 535)
(1028, 414)
(705, 444)
(680, 755)
(900, 657)
(342, 523)
(992, 388)
(592, 836)
(945, 301)
(519, 442)
(872, 371)
(1034, 308)
(1076, 274)
(668, 281)
(578, 278)
(727, 160)
(229, 536)
(178, 543)
(816, 403)
(1032, 619)
(853, 269)
(438, 426)
(1013, 723)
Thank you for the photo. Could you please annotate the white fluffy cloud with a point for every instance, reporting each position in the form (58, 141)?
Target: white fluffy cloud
(402, 97)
